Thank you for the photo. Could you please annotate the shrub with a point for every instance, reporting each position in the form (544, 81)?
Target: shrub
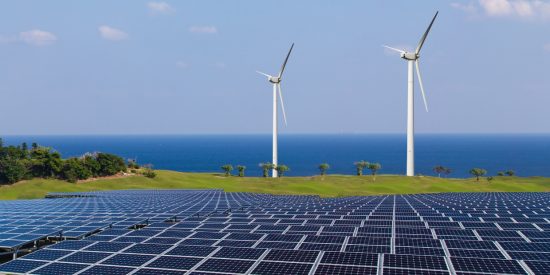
(281, 169)
(227, 168)
(241, 169)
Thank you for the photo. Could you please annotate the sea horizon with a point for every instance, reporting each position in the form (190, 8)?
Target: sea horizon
(526, 154)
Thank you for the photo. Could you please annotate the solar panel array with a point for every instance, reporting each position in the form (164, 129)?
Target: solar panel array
(214, 232)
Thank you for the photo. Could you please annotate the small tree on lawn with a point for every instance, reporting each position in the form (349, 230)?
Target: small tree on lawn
(478, 172)
(439, 170)
(374, 167)
(227, 169)
(360, 166)
(281, 169)
(323, 167)
(510, 173)
(241, 169)
(500, 173)
(266, 166)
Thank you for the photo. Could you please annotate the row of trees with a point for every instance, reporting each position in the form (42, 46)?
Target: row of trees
(282, 169)
(21, 162)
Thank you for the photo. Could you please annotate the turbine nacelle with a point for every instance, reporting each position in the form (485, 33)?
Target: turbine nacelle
(409, 56)
(274, 79)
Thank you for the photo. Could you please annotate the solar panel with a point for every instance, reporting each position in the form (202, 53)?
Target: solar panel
(205, 231)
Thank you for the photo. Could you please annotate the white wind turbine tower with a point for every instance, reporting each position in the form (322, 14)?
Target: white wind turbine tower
(412, 60)
(276, 81)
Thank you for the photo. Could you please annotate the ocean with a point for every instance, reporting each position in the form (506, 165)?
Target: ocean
(528, 155)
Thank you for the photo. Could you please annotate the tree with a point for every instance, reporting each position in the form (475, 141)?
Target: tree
(110, 164)
(489, 179)
(323, 167)
(500, 173)
(12, 170)
(374, 167)
(478, 172)
(438, 169)
(266, 166)
(227, 168)
(34, 145)
(91, 163)
(360, 165)
(281, 169)
(74, 170)
(241, 169)
(510, 173)
(1, 143)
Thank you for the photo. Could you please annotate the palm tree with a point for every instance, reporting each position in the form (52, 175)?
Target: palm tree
(323, 167)
(266, 166)
(281, 169)
(374, 167)
(438, 169)
(478, 172)
(360, 165)
(227, 169)
(241, 169)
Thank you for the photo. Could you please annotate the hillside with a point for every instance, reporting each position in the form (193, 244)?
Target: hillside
(330, 186)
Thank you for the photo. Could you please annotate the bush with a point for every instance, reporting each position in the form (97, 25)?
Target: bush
(74, 169)
(149, 173)
(227, 168)
(110, 164)
(12, 170)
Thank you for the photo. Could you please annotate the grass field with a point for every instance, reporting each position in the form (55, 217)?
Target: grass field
(329, 186)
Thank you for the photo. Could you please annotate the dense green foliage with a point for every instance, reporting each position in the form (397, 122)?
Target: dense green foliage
(19, 162)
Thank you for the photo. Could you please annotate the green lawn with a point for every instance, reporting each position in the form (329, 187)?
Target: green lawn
(330, 186)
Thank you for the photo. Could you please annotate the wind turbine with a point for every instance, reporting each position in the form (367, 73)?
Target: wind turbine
(412, 60)
(276, 81)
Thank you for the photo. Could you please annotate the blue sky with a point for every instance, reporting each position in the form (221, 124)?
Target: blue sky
(182, 67)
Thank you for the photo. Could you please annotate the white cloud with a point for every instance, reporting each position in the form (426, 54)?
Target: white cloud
(159, 7)
(37, 37)
(496, 7)
(111, 33)
(526, 9)
(182, 65)
(203, 29)
(468, 8)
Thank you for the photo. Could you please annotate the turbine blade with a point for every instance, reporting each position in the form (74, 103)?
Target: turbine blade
(282, 102)
(425, 35)
(286, 60)
(263, 74)
(393, 49)
(421, 84)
